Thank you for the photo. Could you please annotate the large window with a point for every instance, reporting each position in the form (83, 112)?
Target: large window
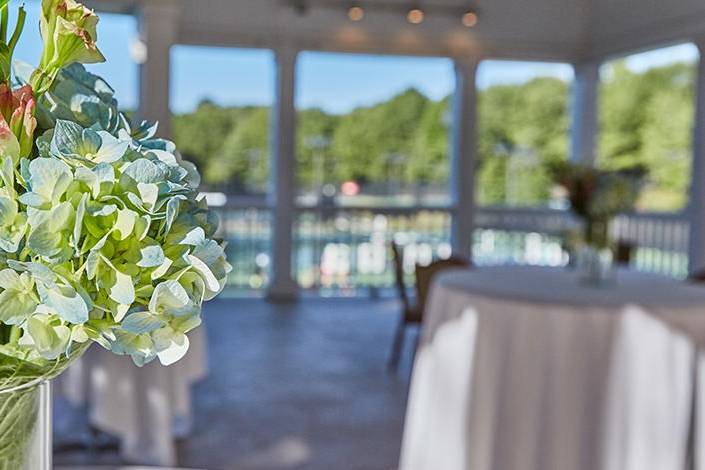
(372, 156)
(523, 126)
(646, 118)
(373, 129)
(220, 99)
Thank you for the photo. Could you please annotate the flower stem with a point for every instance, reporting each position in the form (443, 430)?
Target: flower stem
(15, 334)
(4, 17)
(19, 26)
(18, 416)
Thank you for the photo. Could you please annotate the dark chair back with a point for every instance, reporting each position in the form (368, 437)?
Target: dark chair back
(623, 253)
(425, 275)
(398, 259)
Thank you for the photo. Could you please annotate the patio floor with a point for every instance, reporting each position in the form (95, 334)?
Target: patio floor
(293, 386)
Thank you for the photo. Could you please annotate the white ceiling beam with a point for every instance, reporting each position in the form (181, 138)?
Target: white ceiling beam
(385, 33)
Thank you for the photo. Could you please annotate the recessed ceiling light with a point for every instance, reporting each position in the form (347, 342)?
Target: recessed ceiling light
(415, 16)
(356, 13)
(469, 18)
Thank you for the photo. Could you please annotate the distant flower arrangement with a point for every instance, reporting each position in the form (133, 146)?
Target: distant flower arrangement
(598, 195)
(102, 235)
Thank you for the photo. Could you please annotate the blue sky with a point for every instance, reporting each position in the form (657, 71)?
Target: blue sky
(335, 82)
(115, 33)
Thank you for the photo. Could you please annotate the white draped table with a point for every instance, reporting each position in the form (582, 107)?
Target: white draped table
(146, 408)
(524, 368)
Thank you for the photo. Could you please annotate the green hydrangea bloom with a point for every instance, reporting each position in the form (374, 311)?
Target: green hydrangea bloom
(103, 236)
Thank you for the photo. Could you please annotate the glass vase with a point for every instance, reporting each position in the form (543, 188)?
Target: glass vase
(25, 427)
(596, 266)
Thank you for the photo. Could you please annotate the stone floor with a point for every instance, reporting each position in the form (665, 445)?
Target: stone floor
(293, 386)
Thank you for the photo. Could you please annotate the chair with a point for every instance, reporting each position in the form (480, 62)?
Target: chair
(426, 274)
(412, 314)
(623, 253)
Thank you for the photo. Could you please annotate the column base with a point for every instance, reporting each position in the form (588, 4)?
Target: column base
(284, 290)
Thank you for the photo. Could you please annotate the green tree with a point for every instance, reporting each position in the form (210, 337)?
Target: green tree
(243, 156)
(375, 143)
(199, 134)
(429, 161)
(646, 118)
(313, 140)
(522, 128)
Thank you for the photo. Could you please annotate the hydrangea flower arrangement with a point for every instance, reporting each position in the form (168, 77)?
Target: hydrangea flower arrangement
(103, 238)
(598, 195)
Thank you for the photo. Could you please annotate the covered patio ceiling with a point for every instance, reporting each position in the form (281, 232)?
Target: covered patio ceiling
(561, 30)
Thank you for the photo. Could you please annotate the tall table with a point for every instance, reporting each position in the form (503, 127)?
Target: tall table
(525, 368)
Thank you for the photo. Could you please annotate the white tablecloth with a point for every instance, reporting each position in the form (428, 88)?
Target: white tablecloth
(528, 369)
(147, 408)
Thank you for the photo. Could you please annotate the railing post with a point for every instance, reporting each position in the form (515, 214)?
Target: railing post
(696, 205)
(584, 125)
(463, 157)
(282, 189)
(158, 27)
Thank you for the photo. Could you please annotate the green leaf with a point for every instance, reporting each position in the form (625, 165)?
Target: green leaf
(125, 223)
(38, 271)
(122, 290)
(78, 334)
(149, 194)
(195, 236)
(172, 211)
(48, 237)
(139, 347)
(111, 149)
(171, 298)
(142, 226)
(7, 174)
(162, 269)
(8, 211)
(97, 209)
(143, 171)
(9, 279)
(49, 178)
(78, 223)
(5, 58)
(68, 137)
(141, 322)
(15, 306)
(50, 341)
(95, 334)
(151, 256)
(172, 345)
(211, 282)
(92, 264)
(66, 302)
(9, 145)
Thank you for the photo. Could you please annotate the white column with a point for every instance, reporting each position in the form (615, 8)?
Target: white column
(584, 125)
(282, 189)
(463, 157)
(696, 206)
(158, 25)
